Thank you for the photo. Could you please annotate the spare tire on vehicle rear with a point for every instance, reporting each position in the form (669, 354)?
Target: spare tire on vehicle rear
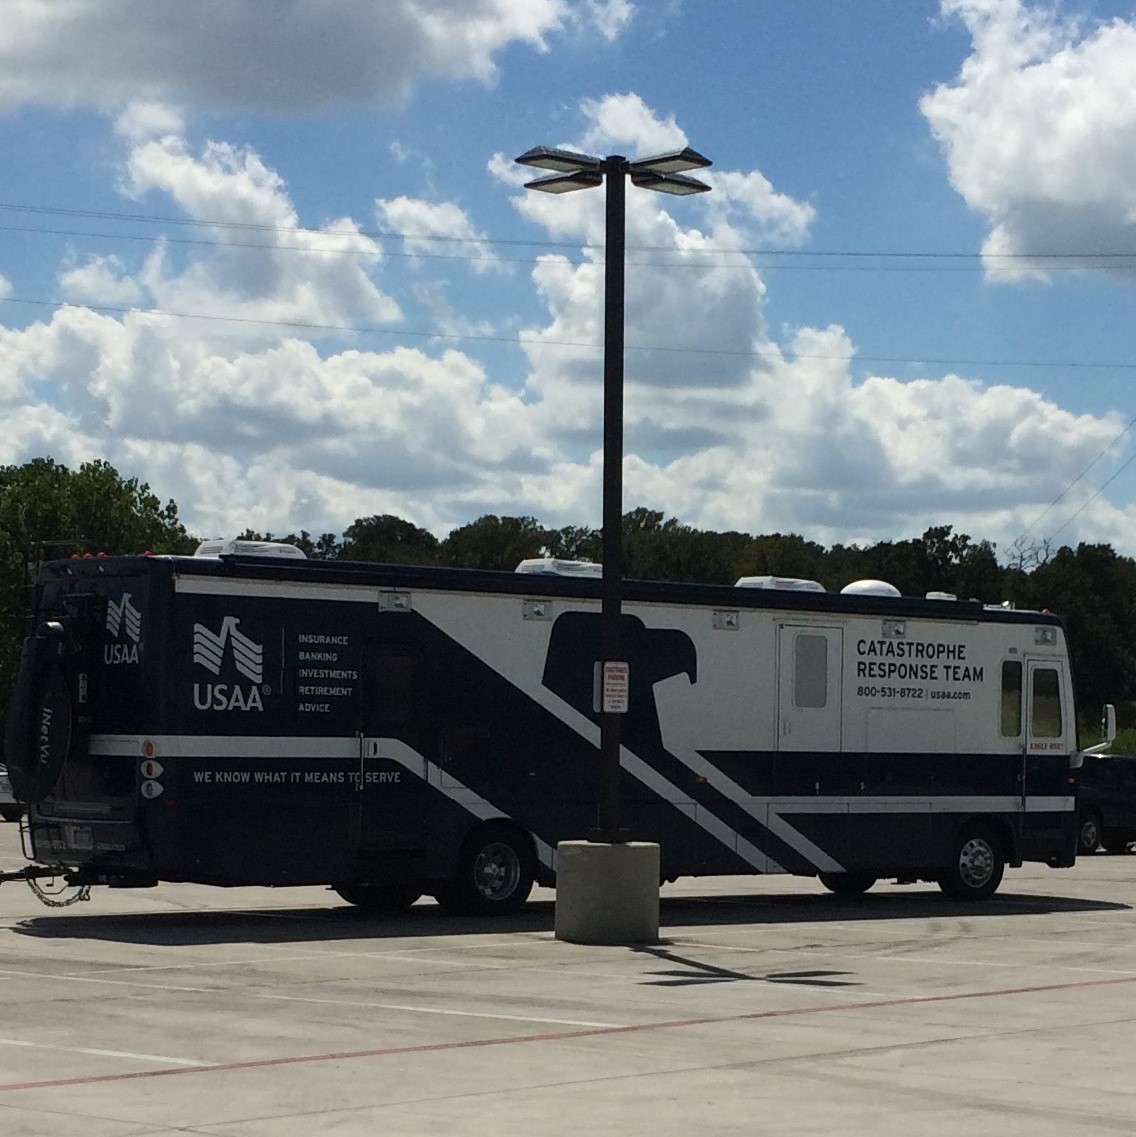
(41, 719)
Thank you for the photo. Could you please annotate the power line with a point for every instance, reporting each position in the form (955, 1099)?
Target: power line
(685, 263)
(1104, 485)
(380, 234)
(1056, 501)
(517, 341)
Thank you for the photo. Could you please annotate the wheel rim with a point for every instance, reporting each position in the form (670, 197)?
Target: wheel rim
(497, 871)
(1090, 838)
(976, 862)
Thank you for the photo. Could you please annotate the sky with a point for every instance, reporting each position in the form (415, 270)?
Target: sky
(278, 261)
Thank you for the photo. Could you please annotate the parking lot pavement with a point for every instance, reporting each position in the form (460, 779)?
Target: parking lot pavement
(769, 1007)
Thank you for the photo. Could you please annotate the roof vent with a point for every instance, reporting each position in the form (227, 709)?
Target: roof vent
(870, 588)
(941, 596)
(786, 583)
(551, 566)
(236, 547)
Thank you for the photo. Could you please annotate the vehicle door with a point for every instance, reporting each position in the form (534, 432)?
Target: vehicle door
(1048, 734)
(809, 694)
(395, 744)
(1124, 774)
(811, 772)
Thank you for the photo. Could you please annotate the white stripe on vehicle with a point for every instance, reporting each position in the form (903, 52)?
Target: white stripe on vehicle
(768, 811)
(430, 772)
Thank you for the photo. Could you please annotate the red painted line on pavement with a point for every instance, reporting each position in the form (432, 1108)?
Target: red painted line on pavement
(560, 1036)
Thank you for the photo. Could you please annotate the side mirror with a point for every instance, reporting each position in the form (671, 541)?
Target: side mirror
(1108, 733)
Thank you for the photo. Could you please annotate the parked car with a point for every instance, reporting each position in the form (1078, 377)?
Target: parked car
(1106, 803)
(9, 808)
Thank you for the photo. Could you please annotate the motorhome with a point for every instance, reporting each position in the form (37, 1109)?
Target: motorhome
(249, 716)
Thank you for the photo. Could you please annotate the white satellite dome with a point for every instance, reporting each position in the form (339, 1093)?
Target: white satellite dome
(870, 588)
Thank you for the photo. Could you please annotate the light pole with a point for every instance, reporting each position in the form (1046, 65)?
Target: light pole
(575, 172)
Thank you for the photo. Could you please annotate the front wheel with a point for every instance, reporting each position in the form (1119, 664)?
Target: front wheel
(847, 883)
(1088, 833)
(976, 867)
(10, 812)
(494, 874)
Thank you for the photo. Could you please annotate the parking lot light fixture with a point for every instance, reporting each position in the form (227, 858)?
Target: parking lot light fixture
(665, 174)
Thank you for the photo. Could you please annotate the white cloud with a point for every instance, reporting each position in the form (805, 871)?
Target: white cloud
(277, 428)
(610, 17)
(265, 266)
(620, 119)
(1039, 132)
(433, 228)
(101, 281)
(751, 194)
(141, 121)
(291, 55)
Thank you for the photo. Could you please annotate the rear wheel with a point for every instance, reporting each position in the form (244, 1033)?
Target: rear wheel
(379, 898)
(10, 812)
(1088, 833)
(977, 865)
(495, 873)
(847, 883)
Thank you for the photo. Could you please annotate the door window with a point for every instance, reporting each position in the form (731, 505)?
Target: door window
(396, 686)
(1012, 698)
(810, 680)
(1045, 703)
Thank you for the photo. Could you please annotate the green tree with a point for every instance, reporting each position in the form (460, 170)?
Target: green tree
(781, 554)
(1094, 590)
(575, 543)
(48, 510)
(939, 561)
(388, 539)
(651, 545)
(493, 542)
(958, 565)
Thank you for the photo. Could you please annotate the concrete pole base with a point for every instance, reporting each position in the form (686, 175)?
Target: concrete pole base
(607, 894)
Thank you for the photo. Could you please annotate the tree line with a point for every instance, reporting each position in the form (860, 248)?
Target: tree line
(48, 510)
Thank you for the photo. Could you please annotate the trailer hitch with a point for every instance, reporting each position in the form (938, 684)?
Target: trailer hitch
(57, 891)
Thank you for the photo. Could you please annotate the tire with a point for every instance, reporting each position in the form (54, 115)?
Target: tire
(494, 874)
(10, 812)
(1088, 833)
(379, 898)
(847, 883)
(41, 719)
(1114, 844)
(977, 865)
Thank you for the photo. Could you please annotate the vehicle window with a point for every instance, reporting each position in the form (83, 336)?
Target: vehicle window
(1011, 698)
(810, 687)
(1045, 703)
(396, 681)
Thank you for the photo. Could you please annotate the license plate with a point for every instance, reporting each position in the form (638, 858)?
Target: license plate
(78, 837)
(5, 786)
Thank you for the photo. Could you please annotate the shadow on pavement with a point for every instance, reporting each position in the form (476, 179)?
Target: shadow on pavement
(342, 922)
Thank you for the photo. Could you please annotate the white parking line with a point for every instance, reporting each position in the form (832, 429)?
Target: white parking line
(57, 978)
(437, 1011)
(161, 1059)
(838, 954)
(304, 999)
